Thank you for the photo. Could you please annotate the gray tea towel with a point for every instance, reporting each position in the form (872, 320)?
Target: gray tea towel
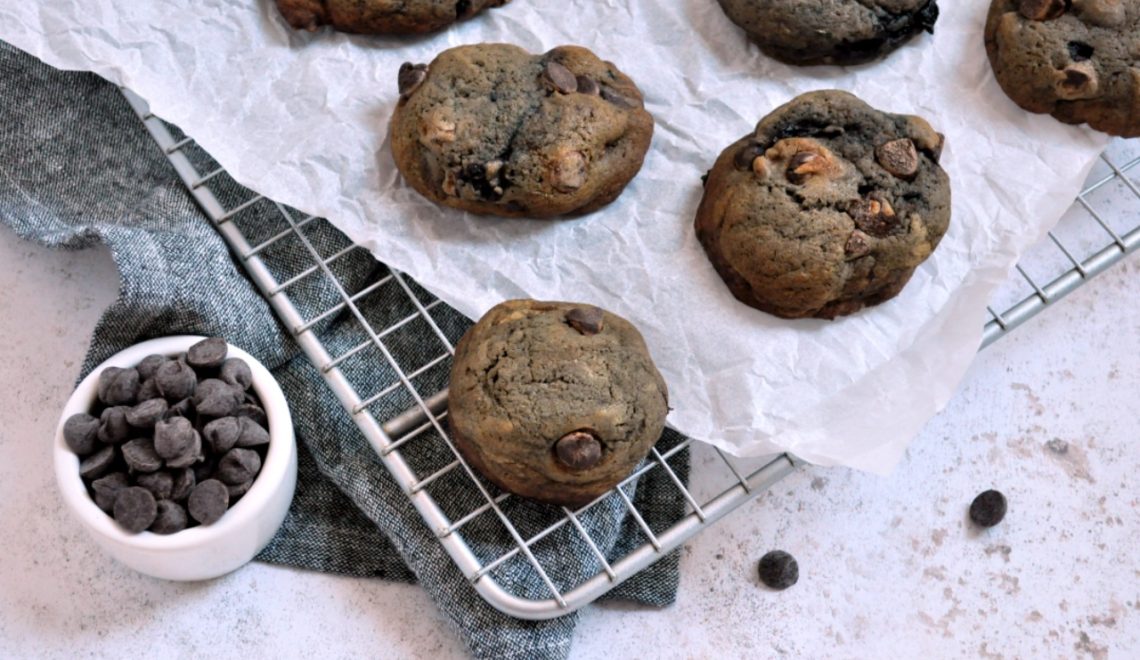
(77, 168)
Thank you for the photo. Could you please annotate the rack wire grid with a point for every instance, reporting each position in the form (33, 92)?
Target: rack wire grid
(1093, 235)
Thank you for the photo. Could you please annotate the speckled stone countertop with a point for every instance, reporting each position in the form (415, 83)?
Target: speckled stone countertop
(890, 567)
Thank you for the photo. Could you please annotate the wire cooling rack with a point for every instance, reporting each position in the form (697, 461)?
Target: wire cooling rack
(1095, 234)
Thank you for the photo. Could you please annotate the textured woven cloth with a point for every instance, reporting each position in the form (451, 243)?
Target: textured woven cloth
(77, 168)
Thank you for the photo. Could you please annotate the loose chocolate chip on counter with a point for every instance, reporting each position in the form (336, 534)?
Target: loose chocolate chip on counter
(81, 433)
(238, 466)
(899, 157)
(586, 320)
(140, 455)
(118, 386)
(988, 508)
(410, 77)
(177, 442)
(222, 434)
(254, 413)
(778, 570)
(97, 464)
(184, 482)
(149, 390)
(562, 78)
(216, 398)
(146, 414)
(160, 484)
(207, 354)
(135, 509)
(252, 433)
(208, 501)
(237, 490)
(107, 489)
(586, 85)
(170, 517)
(175, 380)
(149, 366)
(113, 426)
(237, 373)
(578, 450)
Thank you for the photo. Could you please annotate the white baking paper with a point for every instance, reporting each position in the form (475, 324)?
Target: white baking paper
(302, 118)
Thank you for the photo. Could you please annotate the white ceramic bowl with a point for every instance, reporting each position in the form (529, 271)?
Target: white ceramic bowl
(205, 551)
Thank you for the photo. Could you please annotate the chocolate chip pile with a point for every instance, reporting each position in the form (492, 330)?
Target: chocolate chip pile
(172, 442)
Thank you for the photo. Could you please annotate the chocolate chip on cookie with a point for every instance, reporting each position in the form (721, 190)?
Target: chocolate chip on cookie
(1078, 60)
(831, 31)
(554, 401)
(381, 16)
(828, 207)
(492, 129)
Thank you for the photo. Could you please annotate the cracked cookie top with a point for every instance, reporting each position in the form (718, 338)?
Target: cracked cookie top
(381, 16)
(493, 129)
(555, 401)
(826, 208)
(831, 31)
(1078, 60)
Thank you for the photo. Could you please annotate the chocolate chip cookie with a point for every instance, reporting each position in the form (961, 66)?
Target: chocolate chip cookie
(492, 129)
(554, 401)
(1078, 60)
(828, 207)
(831, 31)
(381, 16)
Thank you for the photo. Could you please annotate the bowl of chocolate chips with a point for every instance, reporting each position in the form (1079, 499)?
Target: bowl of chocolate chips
(177, 455)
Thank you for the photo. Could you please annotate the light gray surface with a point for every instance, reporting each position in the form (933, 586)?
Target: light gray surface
(889, 567)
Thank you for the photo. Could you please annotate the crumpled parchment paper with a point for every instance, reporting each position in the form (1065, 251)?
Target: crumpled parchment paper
(302, 118)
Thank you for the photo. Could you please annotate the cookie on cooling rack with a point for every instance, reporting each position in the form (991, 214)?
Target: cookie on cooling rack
(828, 207)
(554, 401)
(831, 31)
(1078, 60)
(381, 16)
(493, 129)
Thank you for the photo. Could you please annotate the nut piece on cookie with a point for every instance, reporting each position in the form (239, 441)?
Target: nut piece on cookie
(568, 170)
(379, 16)
(874, 215)
(554, 401)
(804, 159)
(1103, 13)
(493, 129)
(842, 220)
(1078, 81)
(1041, 10)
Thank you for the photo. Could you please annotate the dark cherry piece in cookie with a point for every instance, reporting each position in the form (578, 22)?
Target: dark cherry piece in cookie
(554, 401)
(831, 31)
(381, 16)
(828, 207)
(1078, 60)
(493, 129)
